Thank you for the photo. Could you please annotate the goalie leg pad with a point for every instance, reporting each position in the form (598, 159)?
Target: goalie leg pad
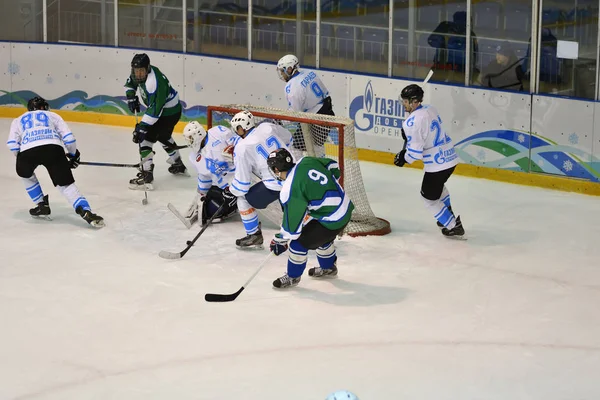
(212, 202)
(297, 259)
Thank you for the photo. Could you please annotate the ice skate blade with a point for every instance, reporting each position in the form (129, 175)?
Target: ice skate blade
(149, 186)
(42, 217)
(251, 248)
(97, 224)
(456, 237)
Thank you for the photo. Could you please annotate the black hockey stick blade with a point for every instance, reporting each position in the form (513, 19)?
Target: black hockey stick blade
(222, 298)
(101, 164)
(175, 256)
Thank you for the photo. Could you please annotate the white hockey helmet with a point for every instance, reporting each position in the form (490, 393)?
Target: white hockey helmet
(286, 62)
(194, 134)
(342, 395)
(245, 119)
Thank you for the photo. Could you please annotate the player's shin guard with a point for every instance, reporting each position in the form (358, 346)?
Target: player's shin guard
(34, 190)
(326, 256)
(73, 196)
(446, 198)
(249, 216)
(173, 154)
(441, 212)
(297, 259)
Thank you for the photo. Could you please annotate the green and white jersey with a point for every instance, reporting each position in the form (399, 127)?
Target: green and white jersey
(157, 95)
(311, 191)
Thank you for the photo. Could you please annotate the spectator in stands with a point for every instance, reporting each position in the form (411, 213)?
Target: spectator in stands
(505, 72)
(449, 38)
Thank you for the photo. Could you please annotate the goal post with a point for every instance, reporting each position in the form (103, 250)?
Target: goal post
(319, 135)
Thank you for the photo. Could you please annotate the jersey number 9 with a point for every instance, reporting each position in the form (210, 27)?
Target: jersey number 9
(317, 176)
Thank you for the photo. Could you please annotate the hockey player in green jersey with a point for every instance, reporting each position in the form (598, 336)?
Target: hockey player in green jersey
(315, 210)
(163, 111)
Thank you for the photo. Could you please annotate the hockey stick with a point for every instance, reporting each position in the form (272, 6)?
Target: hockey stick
(101, 164)
(145, 199)
(222, 298)
(175, 256)
(176, 213)
(428, 77)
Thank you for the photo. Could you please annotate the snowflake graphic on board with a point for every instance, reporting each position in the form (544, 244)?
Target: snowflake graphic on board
(568, 166)
(13, 68)
(521, 138)
(268, 98)
(77, 76)
(573, 138)
(198, 86)
(49, 79)
(541, 163)
(556, 156)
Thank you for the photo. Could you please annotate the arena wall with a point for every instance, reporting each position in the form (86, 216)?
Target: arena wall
(515, 137)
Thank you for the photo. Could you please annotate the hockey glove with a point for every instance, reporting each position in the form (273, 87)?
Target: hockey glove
(229, 198)
(399, 160)
(134, 104)
(278, 245)
(140, 132)
(192, 212)
(74, 159)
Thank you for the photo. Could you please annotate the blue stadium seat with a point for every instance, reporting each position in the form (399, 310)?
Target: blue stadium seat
(327, 38)
(400, 46)
(517, 21)
(486, 16)
(375, 44)
(266, 34)
(345, 38)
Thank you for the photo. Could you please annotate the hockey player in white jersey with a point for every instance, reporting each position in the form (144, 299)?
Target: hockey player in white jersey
(426, 139)
(305, 92)
(37, 138)
(250, 159)
(215, 170)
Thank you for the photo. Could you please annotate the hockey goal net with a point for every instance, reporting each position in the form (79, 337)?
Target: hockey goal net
(319, 135)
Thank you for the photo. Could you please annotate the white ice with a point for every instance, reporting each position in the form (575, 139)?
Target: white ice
(512, 313)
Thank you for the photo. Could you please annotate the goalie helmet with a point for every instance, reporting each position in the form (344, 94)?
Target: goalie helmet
(342, 395)
(140, 67)
(243, 119)
(194, 135)
(286, 62)
(280, 160)
(37, 103)
(411, 93)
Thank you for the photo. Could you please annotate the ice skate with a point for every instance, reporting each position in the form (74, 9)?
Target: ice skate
(286, 282)
(41, 210)
(455, 233)
(251, 242)
(144, 178)
(178, 167)
(94, 220)
(318, 272)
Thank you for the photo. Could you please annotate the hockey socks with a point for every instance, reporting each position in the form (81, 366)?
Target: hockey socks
(74, 197)
(441, 212)
(297, 259)
(326, 256)
(34, 190)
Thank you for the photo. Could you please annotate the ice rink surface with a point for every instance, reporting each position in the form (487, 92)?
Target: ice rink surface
(512, 313)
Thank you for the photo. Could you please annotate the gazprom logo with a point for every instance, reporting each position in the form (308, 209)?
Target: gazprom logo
(377, 114)
(369, 96)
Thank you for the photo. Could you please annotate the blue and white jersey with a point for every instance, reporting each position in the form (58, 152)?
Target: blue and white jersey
(251, 153)
(212, 166)
(305, 92)
(428, 141)
(38, 128)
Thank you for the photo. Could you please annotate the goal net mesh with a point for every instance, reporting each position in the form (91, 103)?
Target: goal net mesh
(319, 135)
